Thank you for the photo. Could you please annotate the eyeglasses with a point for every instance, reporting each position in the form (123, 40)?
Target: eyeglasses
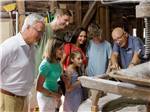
(119, 38)
(39, 32)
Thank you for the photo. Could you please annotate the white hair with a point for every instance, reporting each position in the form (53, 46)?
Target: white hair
(32, 19)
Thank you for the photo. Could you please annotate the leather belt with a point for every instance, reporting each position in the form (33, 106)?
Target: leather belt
(11, 94)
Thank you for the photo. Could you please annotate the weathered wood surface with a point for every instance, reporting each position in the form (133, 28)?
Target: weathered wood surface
(124, 89)
(88, 16)
(139, 74)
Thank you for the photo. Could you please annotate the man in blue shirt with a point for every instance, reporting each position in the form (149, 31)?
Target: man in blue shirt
(127, 50)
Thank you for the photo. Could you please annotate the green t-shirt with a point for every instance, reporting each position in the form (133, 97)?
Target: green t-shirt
(41, 46)
(51, 72)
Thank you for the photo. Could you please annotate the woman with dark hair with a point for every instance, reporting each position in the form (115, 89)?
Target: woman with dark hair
(78, 43)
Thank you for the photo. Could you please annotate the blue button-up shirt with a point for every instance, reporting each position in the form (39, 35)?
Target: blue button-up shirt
(125, 54)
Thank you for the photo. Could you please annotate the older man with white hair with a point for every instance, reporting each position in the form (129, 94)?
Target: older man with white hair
(17, 64)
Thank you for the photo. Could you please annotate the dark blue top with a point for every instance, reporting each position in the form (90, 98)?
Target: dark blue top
(135, 44)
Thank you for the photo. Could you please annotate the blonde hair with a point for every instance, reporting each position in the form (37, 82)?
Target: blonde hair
(50, 50)
(74, 54)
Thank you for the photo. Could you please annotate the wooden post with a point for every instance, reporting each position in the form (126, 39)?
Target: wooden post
(140, 27)
(21, 11)
(103, 19)
(98, 13)
(78, 13)
(108, 34)
(95, 99)
(95, 96)
(53, 4)
(148, 107)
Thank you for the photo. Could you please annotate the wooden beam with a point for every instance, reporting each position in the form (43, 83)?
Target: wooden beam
(139, 74)
(140, 27)
(124, 89)
(21, 11)
(148, 107)
(103, 20)
(78, 13)
(37, 4)
(37, 9)
(98, 13)
(88, 16)
(53, 4)
(108, 33)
